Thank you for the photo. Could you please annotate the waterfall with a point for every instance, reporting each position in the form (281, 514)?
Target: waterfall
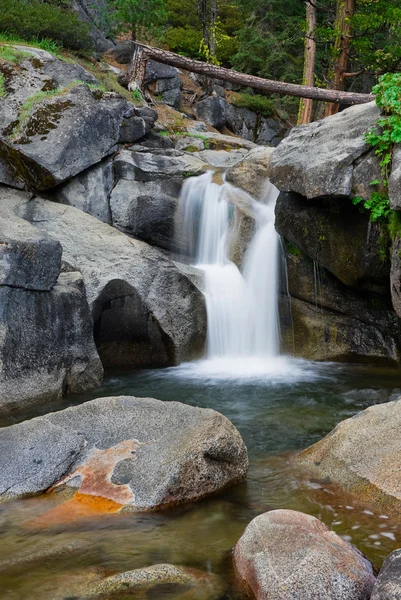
(242, 306)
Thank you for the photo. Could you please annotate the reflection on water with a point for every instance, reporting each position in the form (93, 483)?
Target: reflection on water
(59, 557)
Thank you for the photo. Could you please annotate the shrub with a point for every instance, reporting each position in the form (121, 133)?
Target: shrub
(259, 104)
(35, 20)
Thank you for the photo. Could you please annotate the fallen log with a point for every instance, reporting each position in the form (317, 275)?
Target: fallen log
(135, 76)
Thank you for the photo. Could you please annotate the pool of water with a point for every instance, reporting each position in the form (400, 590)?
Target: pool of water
(277, 410)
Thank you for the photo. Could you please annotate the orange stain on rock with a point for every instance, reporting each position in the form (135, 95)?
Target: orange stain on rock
(97, 469)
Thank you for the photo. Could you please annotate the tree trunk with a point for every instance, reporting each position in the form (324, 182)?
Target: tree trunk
(136, 72)
(306, 104)
(202, 8)
(267, 86)
(345, 12)
(212, 33)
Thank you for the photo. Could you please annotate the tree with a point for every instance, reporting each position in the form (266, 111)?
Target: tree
(306, 104)
(138, 16)
(208, 16)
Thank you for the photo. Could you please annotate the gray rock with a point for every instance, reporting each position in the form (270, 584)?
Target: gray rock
(366, 170)
(251, 172)
(145, 311)
(146, 166)
(242, 227)
(172, 98)
(138, 125)
(221, 158)
(89, 191)
(154, 140)
(338, 237)
(388, 584)
(213, 111)
(146, 209)
(316, 160)
(218, 141)
(46, 348)
(156, 70)
(29, 259)
(362, 455)
(270, 132)
(94, 12)
(189, 144)
(123, 52)
(80, 127)
(394, 182)
(146, 453)
(285, 554)
(242, 122)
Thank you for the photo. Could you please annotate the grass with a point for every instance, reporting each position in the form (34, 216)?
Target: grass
(255, 102)
(42, 43)
(12, 55)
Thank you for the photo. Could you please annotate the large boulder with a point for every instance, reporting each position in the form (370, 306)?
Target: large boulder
(286, 554)
(144, 164)
(64, 133)
(145, 311)
(213, 110)
(252, 171)
(47, 346)
(317, 160)
(338, 237)
(362, 454)
(89, 191)
(95, 13)
(140, 453)
(326, 320)
(388, 584)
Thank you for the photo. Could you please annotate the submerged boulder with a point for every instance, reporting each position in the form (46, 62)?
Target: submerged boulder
(362, 454)
(287, 554)
(145, 311)
(317, 160)
(140, 453)
(388, 584)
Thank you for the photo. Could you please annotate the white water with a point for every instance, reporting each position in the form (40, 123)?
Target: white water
(242, 305)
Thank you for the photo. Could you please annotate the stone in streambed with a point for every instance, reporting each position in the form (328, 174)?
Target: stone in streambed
(141, 453)
(388, 584)
(288, 555)
(362, 454)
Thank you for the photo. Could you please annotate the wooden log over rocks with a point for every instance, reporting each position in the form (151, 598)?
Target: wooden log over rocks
(136, 71)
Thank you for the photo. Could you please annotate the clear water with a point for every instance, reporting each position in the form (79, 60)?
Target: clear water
(278, 414)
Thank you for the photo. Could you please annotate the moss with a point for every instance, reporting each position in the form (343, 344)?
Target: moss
(292, 249)
(191, 149)
(36, 63)
(255, 102)
(12, 55)
(3, 92)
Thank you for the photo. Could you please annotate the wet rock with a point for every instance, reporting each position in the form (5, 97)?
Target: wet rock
(137, 452)
(242, 227)
(361, 454)
(213, 111)
(326, 320)
(145, 311)
(287, 554)
(395, 275)
(394, 182)
(388, 584)
(53, 552)
(29, 259)
(89, 191)
(338, 237)
(221, 158)
(81, 128)
(168, 580)
(47, 345)
(317, 160)
(251, 172)
(146, 209)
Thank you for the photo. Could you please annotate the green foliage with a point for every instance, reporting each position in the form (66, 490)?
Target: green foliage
(12, 55)
(137, 96)
(44, 22)
(3, 92)
(138, 17)
(256, 102)
(378, 206)
(292, 249)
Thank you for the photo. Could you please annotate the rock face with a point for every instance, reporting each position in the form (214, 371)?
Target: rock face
(46, 346)
(94, 13)
(317, 160)
(145, 311)
(394, 182)
(286, 554)
(388, 584)
(338, 237)
(137, 452)
(327, 320)
(362, 455)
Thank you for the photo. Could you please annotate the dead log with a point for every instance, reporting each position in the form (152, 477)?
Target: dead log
(136, 73)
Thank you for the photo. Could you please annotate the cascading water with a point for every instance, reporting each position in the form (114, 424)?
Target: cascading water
(242, 307)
